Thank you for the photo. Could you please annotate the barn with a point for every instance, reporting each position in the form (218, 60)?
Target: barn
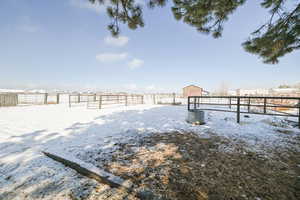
(192, 90)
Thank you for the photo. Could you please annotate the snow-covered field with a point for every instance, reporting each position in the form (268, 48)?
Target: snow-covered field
(25, 131)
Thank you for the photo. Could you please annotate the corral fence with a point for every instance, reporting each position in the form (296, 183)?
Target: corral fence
(78, 99)
(97, 101)
(165, 98)
(14, 99)
(276, 106)
(169, 98)
(38, 98)
(8, 99)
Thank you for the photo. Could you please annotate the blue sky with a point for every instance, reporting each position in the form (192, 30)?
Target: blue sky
(65, 44)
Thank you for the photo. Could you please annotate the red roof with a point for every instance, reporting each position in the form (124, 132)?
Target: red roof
(192, 85)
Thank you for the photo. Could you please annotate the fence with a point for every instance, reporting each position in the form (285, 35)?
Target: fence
(126, 100)
(38, 98)
(277, 106)
(14, 99)
(8, 100)
(97, 101)
(164, 98)
(77, 99)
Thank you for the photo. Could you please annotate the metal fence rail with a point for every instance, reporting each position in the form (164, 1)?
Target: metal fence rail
(276, 106)
(76, 99)
(102, 100)
(96, 101)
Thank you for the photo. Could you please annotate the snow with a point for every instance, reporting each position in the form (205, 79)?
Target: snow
(89, 166)
(10, 90)
(26, 131)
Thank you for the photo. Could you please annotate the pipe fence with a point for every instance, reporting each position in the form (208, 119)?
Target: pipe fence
(96, 101)
(276, 106)
(103, 100)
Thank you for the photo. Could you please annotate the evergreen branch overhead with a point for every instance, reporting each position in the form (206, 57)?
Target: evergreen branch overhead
(277, 37)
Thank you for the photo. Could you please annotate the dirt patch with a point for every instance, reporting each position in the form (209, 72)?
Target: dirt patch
(184, 166)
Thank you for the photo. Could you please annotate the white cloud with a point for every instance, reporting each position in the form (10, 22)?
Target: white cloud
(111, 57)
(135, 63)
(119, 41)
(88, 5)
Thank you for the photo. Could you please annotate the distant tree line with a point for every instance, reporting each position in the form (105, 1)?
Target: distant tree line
(297, 85)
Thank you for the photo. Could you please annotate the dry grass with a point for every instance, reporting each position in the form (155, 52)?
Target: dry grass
(185, 166)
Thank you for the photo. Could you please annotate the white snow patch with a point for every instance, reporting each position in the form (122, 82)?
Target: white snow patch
(25, 131)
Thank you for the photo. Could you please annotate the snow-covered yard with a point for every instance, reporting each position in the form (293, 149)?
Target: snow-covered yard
(25, 131)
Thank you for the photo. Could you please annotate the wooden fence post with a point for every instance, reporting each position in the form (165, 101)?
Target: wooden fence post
(125, 100)
(249, 104)
(174, 98)
(229, 102)
(4, 103)
(57, 98)
(100, 102)
(17, 99)
(189, 103)
(238, 110)
(95, 97)
(142, 99)
(78, 98)
(46, 98)
(3, 100)
(265, 105)
(153, 98)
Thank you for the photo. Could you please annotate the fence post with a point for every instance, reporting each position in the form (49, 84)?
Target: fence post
(78, 98)
(57, 98)
(174, 98)
(95, 97)
(153, 98)
(188, 103)
(229, 102)
(265, 105)
(4, 103)
(46, 98)
(249, 105)
(125, 100)
(238, 110)
(69, 101)
(100, 101)
(142, 99)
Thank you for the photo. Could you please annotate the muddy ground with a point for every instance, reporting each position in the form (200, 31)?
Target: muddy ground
(185, 166)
